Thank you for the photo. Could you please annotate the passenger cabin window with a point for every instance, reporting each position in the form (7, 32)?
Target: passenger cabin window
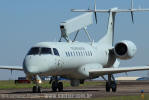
(76, 53)
(55, 51)
(71, 54)
(88, 53)
(33, 51)
(91, 53)
(68, 54)
(46, 51)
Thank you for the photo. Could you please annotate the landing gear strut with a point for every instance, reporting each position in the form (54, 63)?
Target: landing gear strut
(36, 88)
(111, 84)
(56, 85)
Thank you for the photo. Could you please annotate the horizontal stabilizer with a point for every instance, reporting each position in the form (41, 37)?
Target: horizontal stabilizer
(107, 11)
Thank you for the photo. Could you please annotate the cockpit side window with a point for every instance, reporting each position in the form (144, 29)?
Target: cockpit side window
(46, 51)
(33, 51)
(55, 51)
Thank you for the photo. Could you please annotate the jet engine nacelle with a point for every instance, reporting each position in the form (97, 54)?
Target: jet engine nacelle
(125, 49)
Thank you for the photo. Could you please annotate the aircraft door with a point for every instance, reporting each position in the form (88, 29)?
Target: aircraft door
(58, 60)
(59, 64)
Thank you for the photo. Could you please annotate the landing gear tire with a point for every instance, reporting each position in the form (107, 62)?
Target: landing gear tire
(54, 86)
(114, 86)
(107, 87)
(57, 85)
(60, 86)
(36, 89)
(111, 83)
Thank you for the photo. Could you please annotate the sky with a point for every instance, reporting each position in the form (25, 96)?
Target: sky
(24, 23)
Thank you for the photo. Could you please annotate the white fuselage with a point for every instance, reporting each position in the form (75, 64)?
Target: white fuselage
(71, 61)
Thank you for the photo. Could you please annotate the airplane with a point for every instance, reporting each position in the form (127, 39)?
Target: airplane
(79, 61)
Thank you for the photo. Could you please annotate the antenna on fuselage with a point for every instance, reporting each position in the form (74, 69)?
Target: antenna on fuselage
(132, 14)
(95, 14)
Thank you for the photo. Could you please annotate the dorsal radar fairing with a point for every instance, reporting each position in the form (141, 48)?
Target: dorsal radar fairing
(75, 25)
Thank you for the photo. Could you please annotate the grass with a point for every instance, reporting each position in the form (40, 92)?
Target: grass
(11, 85)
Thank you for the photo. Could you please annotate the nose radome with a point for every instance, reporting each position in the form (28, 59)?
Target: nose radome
(32, 70)
(28, 68)
(37, 64)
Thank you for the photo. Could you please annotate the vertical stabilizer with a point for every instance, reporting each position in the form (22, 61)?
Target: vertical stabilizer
(109, 37)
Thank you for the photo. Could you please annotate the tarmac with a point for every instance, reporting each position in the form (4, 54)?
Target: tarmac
(123, 89)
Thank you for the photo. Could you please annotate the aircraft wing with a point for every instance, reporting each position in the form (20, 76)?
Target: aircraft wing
(105, 71)
(20, 68)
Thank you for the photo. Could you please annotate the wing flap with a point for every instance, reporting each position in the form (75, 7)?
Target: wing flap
(105, 71)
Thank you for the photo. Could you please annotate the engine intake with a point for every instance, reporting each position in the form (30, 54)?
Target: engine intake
(125, 49)
(121, 49)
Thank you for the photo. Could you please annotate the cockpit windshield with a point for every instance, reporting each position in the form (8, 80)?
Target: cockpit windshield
(33, 51)
(46, 51)
(42, 51)
(39, 50)
(55, 52)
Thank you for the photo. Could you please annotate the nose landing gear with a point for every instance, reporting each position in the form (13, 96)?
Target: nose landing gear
(36, 88)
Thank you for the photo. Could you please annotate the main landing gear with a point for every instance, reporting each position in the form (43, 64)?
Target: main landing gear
(56, 85)
(111, 84)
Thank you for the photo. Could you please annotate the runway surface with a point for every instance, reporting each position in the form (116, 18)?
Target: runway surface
(123, 89)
